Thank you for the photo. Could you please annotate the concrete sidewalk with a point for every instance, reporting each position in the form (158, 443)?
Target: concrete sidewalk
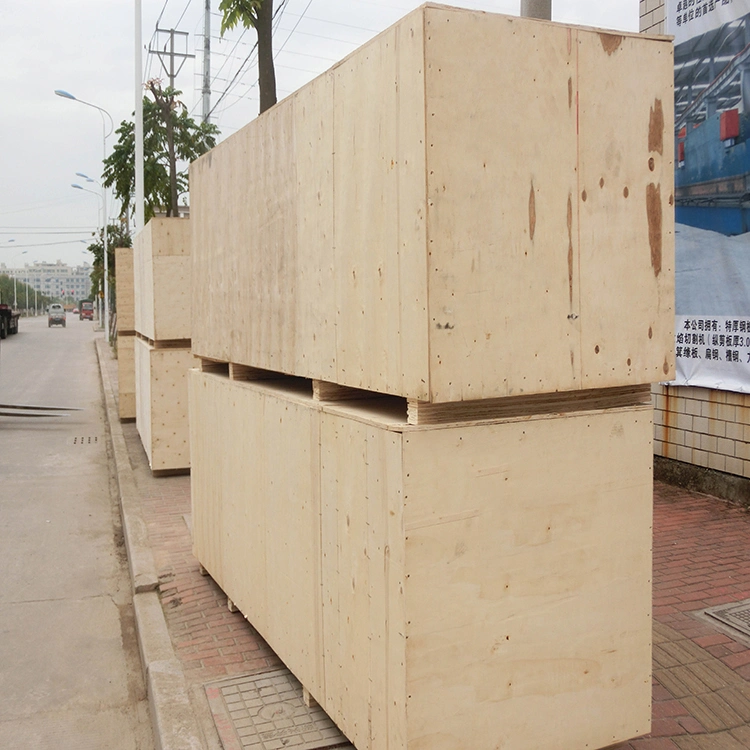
(701, 685)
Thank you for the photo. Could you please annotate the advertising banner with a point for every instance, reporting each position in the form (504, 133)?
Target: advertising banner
(712, 192)
(690, 18)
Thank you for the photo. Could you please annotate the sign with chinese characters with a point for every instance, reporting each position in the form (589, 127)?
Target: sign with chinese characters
(686, 19)
(713, 351)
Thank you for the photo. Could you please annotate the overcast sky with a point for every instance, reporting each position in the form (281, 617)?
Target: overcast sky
(86, 48)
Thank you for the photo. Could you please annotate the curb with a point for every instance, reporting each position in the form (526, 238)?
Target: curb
(140, 557)
(173, 720)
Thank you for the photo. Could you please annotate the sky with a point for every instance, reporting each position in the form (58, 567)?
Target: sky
(86, 47)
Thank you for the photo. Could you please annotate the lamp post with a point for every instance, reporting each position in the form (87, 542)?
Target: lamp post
(86, 190)
(15, 277)
(105, 135)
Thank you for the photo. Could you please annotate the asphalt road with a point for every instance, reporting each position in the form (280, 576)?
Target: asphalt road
(70, 675)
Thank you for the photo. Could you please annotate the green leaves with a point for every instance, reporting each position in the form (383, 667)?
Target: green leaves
(239, 11)
(190, 141)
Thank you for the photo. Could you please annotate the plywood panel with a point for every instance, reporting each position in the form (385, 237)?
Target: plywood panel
(162, 279)
(346, 611)
(143, 394)
(257, 513)
(379, 210)
(625, 204)
(126, 376)
(501, 156)
(315, 307)
(209, 474)
(162, 404)
(125, 290)
(518, 603)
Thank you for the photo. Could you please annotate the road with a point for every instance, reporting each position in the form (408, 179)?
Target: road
(70, 675)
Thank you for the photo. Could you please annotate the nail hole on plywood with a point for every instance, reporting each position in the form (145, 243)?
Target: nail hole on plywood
(625, 191)
(651, 164)
(596, 349)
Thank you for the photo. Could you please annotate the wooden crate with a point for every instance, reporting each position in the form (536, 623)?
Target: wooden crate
(470, 206)
(161, 404)
(126, 376)
(125, 290)
(475, 585)
(162, 279)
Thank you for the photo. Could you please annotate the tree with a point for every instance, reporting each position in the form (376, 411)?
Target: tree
(258, 15)
(118, 235)
(170, 136)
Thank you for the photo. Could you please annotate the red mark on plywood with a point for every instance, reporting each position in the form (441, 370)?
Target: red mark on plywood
(570, 247)
(653, 212)
(610, 42)
(656, 128)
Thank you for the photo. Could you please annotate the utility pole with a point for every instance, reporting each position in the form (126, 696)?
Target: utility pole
(537, 9)
(139, 189)
(207, 62)
(166, 51)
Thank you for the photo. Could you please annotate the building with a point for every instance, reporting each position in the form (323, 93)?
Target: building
(58, 280)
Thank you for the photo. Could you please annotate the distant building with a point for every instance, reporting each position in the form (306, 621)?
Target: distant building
(54, 279)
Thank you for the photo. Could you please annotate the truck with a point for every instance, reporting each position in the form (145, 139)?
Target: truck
(85, 310)
(8, 320)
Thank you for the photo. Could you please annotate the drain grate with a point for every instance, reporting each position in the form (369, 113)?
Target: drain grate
(737, 615)
(86, 440)
(266, 711)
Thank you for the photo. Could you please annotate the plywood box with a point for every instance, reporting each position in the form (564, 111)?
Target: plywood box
(125, 290)
(470, 206)
(126, 376)
(475, 585)
(162, 279)
(161, 404)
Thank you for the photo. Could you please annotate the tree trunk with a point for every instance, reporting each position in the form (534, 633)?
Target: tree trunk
(266, 73)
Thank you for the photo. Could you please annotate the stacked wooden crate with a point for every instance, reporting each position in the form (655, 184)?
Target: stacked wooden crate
(125, 333)
(431, 289)
(162, 346)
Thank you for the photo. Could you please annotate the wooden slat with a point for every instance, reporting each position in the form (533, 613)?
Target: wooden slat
(422, 413)
(243, 372)
(210, 365)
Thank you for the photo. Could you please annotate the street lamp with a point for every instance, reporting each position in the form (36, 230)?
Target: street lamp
(86, 190)
(105, 135)
(15, 277)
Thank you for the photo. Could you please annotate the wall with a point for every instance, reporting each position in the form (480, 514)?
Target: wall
(651, 14)
(705, 427)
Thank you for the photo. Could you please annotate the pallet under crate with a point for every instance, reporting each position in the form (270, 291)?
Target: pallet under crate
(478, 585)
(161, 403)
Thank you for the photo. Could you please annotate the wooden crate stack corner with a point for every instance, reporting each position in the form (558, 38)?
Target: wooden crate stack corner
(162, 349)
(125, 333)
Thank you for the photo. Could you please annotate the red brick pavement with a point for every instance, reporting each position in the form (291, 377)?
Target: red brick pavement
(701, 559)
